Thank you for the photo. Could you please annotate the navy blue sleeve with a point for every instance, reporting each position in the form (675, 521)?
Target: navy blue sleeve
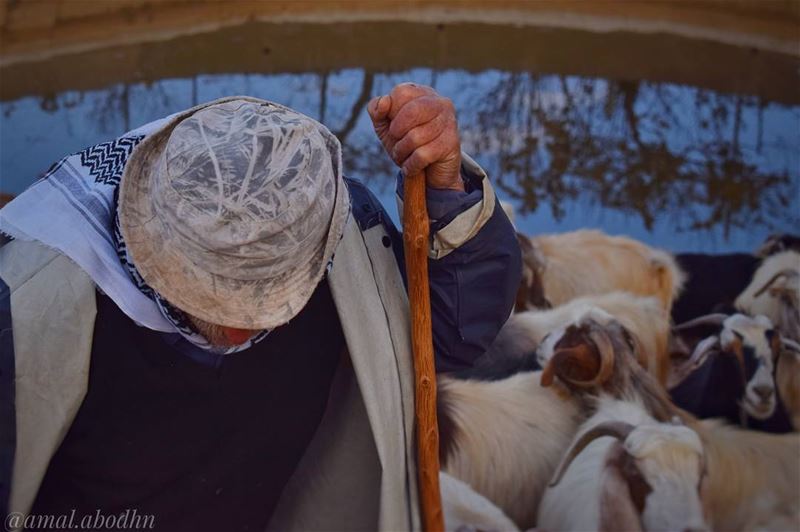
(473, 287)
(472, 293)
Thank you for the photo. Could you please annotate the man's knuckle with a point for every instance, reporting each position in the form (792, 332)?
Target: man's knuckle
(403, 90)
(427, 153)
(416, 136)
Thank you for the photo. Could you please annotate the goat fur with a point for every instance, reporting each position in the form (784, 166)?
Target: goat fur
(787, 381)
(465, 509)
(643, 317)
(766, 303)
(668, 457)
(585, 262)
(753, 478)
(505, 438)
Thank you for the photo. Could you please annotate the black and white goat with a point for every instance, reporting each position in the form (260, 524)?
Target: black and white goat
(732, 373)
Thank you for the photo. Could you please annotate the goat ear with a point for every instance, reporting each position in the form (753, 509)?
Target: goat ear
(617, 509)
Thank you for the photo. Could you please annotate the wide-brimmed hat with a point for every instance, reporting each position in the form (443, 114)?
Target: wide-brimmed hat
(232, 210)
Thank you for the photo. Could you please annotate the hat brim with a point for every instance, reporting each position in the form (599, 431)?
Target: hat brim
(245, 304)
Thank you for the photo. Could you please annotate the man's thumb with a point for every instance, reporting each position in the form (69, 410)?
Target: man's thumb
(378, 109)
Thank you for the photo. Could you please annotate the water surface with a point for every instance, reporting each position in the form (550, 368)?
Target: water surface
(576, 129)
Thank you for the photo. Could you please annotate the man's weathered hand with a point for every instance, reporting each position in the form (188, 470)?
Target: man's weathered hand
(418, 129)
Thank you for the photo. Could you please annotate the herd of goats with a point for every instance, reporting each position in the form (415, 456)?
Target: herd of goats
(632, 390)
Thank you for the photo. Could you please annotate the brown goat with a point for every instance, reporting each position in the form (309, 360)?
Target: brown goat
(561, 267)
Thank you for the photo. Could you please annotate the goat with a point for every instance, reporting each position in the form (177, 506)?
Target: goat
(741, 386)
(643, 317)
(505, 438)
(627, 471)
(775, 293)
(561, 267)
(712, 283)
(787, 380)
(753, 480)
(465, 509)
(778, 242)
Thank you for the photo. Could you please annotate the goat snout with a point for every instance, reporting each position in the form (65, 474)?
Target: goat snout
(763, 392)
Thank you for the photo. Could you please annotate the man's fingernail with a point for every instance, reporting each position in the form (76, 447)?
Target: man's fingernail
(378, 102)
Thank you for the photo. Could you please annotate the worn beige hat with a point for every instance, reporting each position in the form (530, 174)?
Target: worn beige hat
(232, 210)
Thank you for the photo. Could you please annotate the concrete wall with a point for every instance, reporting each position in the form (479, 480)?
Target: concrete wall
(32, 29)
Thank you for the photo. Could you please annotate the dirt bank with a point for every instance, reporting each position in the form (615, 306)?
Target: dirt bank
(35, 29)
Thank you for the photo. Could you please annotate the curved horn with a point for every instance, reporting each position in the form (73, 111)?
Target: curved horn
(617, 429)
(697, 358)
(563, 363)
(783, 273)
(606, 349)
(708, 319)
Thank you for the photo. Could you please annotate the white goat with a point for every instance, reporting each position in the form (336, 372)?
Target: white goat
(627, 471)
(643, 317)
(775, 293)
(465, 509)
(753, 480)
(560, 267)
(505, 438)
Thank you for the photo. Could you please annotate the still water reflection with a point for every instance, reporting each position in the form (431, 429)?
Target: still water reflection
(681, 167)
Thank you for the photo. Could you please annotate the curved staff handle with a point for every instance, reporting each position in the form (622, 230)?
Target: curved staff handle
(416, 229)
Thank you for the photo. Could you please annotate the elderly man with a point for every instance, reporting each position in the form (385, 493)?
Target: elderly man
(210, 328)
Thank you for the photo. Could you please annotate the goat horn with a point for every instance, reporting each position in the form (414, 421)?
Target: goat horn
(560, 362)
(791, 345)
(606, 349)
(783, 273)
(617, 429)
(697, 358)
(708, 319)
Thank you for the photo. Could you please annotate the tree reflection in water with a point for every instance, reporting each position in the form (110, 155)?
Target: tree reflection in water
(656, 150)
(697, 160)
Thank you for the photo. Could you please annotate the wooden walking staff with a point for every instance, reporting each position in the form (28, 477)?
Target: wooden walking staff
(415, 237)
